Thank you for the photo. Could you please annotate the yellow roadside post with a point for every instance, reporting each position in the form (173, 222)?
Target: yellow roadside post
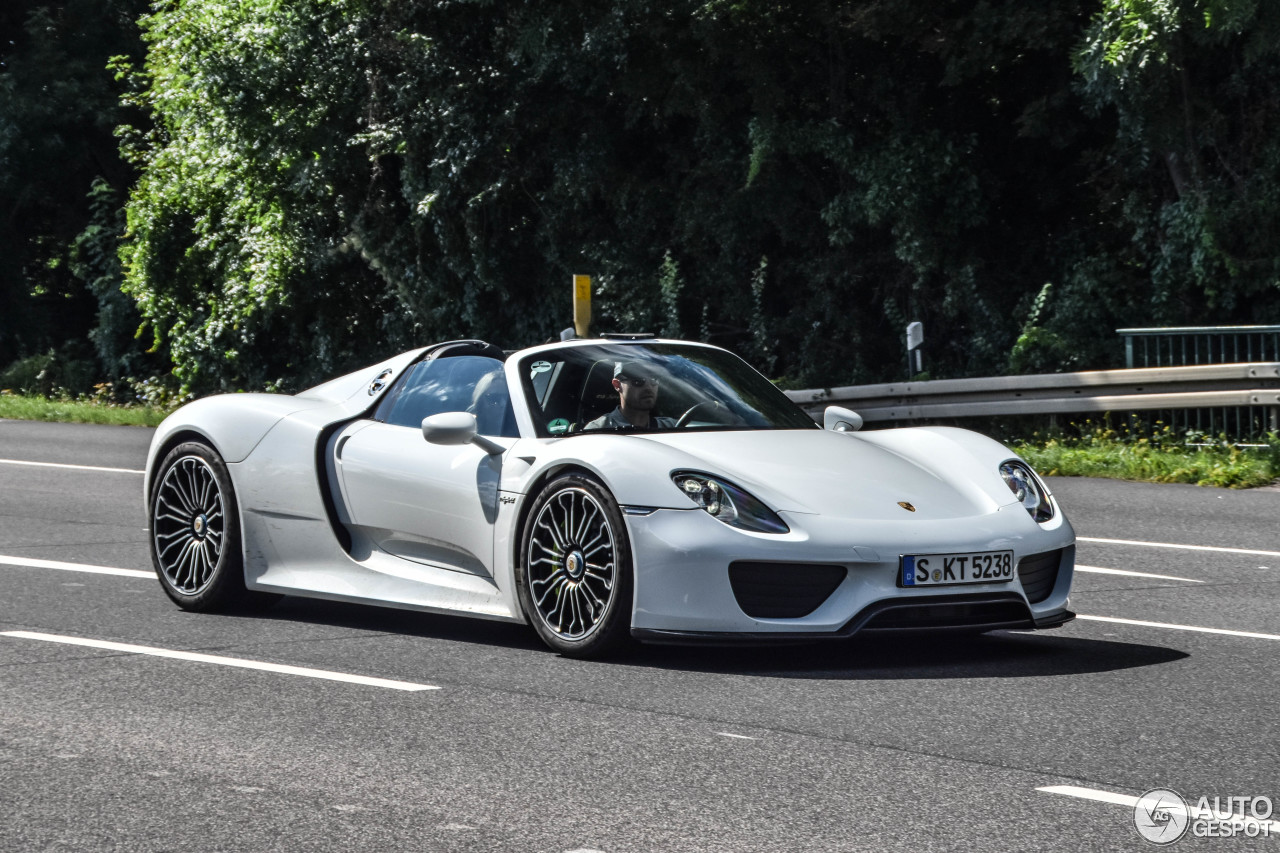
(582, 305)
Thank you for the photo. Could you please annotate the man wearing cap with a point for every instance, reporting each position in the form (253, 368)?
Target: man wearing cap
(637, 387)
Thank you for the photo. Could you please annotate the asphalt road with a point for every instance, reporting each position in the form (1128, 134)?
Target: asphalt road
(904, 745)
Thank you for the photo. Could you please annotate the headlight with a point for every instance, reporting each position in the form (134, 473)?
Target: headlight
(1028, 489)
(728, 503)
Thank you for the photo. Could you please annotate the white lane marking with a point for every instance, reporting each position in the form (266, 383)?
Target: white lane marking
(33, 563)
(739, 737)
(1250, 634)
(1184, 547)
(1097, 570)
(1126, 800)
(1091, 794)
(221, 661)
(76, 467)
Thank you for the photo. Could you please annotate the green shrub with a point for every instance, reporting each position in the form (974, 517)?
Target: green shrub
(1159, 456)
(54, 372)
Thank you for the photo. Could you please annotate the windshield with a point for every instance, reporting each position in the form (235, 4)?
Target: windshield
(651, 387)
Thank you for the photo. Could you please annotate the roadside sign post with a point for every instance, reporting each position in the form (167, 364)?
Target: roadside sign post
(582, 305)
(915, 337)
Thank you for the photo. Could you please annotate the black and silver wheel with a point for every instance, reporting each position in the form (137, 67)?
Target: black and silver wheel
(574, 576)
(195, 531)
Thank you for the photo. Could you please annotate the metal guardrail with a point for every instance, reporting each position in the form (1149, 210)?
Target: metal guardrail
(1254, 388)
(1200, 345)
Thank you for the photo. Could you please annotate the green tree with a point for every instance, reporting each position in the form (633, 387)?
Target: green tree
(1190, 177)
(326, 181)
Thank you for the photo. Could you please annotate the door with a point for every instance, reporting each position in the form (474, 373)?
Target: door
(422, 502)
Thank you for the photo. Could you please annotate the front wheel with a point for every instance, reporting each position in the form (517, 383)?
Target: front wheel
(195, 532)
(574, 577)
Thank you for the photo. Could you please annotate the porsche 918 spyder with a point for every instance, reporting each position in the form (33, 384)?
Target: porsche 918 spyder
(601, 489)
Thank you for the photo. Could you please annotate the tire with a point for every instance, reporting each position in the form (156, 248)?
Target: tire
(195, 533)
(574, 577)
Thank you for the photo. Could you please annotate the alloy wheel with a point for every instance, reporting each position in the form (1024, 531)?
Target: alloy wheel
(572, 563)
(188, 524)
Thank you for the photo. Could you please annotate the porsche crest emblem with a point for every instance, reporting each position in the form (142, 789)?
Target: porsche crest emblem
(905, 505)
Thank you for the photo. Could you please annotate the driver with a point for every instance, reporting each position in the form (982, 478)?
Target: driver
(637, 387)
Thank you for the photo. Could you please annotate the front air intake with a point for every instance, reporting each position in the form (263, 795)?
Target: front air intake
(783, 590)
(1038, 573)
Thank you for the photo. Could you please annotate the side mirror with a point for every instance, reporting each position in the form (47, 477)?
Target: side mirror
(840, 419)
(455, 429)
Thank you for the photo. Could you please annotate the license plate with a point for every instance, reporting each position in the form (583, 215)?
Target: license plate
(950, 569)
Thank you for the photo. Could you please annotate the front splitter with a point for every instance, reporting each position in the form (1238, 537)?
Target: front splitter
(917, 615)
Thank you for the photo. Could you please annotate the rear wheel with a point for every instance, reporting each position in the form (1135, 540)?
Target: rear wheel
(195, 532)
(574, 577)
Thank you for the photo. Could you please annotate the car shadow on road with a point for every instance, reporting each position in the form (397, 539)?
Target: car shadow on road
(1000, 654)
(411, 623)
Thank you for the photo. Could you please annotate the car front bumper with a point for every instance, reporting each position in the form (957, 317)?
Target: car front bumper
(684, 592)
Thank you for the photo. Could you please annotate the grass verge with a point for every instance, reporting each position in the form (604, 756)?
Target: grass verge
(1155, 460)
(28, 408)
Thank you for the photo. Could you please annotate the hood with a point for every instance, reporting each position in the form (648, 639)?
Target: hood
(942, 473)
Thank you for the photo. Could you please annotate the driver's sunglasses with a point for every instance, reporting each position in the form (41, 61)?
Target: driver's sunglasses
(639, 381)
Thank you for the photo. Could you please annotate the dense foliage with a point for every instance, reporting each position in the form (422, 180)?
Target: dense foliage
(1188, 184)
(325, 181)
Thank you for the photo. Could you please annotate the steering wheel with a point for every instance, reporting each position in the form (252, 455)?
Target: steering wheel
(684, 419)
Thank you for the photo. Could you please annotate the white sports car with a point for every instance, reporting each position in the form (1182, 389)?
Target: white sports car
(600, 489)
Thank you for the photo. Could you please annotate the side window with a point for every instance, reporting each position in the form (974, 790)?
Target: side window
(460, 384)
(554, 387)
